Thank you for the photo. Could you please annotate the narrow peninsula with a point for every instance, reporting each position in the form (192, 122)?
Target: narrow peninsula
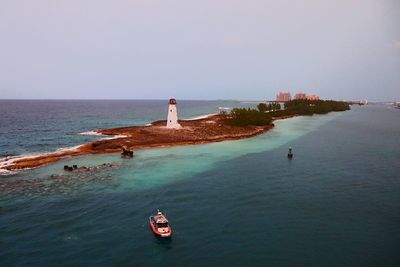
(239, 123)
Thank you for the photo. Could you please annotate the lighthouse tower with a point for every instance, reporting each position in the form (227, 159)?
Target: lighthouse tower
(172, 120)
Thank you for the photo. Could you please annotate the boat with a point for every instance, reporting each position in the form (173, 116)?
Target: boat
(159, 225)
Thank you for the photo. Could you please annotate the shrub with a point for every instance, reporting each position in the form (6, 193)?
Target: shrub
(309, 107)
(262, 107)
(247, 117)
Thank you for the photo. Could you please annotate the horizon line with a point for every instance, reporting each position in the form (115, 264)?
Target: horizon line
(166, 99)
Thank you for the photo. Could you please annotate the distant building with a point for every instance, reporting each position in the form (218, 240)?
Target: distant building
(283, 97)
(312, 97)
(172, 120)
(300, 95)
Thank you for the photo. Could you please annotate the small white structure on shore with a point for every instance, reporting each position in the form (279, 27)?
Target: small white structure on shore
(172, 120)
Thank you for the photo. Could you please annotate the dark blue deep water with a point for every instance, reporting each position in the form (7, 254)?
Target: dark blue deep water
(236, 203)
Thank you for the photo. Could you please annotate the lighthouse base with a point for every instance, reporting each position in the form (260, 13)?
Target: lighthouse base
(175, 126)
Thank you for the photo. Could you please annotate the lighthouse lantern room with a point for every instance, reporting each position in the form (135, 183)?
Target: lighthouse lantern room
(172, 119)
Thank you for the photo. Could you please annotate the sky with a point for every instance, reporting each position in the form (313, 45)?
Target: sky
(208, 49)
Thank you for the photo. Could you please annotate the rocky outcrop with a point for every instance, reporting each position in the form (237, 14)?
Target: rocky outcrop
(205, 130)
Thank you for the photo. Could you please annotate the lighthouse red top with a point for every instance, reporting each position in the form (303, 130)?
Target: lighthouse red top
(172, 101)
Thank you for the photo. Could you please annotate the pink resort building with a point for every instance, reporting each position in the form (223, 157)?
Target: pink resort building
(283, 97)
(300, 95)
(312, 97)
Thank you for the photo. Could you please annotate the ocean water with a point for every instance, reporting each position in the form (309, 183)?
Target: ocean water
(241, 203)
(28, 126)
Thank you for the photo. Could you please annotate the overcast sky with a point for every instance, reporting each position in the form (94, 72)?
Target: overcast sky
(217, 49)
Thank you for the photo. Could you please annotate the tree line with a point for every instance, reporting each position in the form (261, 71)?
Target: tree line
(273, 106)
(310, 107)
(264, 112)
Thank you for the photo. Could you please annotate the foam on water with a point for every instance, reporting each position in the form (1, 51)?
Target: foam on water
(157, 167)
(105, 137)
(338, 198)
(201, 117)
(91, 133)
(7, 161)
(27, 126)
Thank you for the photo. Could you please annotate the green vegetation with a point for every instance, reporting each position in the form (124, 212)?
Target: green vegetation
(263, 107)
(248, 116)
(310, 107)
(264, 112)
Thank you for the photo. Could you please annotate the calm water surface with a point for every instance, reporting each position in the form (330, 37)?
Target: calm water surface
(240, 203)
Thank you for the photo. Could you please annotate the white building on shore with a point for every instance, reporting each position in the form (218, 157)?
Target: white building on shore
(172, 119)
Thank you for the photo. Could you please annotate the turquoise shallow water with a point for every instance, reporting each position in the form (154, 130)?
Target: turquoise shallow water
(157, 167)
(241, 203)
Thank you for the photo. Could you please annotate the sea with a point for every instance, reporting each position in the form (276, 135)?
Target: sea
(231, 203)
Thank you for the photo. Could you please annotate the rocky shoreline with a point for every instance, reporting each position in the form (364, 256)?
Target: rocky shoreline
(199, 131)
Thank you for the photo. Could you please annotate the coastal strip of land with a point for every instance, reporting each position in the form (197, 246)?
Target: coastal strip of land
(238, 124)
(199, 131)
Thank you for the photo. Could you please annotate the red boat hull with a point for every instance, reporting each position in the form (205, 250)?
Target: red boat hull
(159, 234)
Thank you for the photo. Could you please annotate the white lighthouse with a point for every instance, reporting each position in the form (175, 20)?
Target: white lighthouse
(172, 120)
